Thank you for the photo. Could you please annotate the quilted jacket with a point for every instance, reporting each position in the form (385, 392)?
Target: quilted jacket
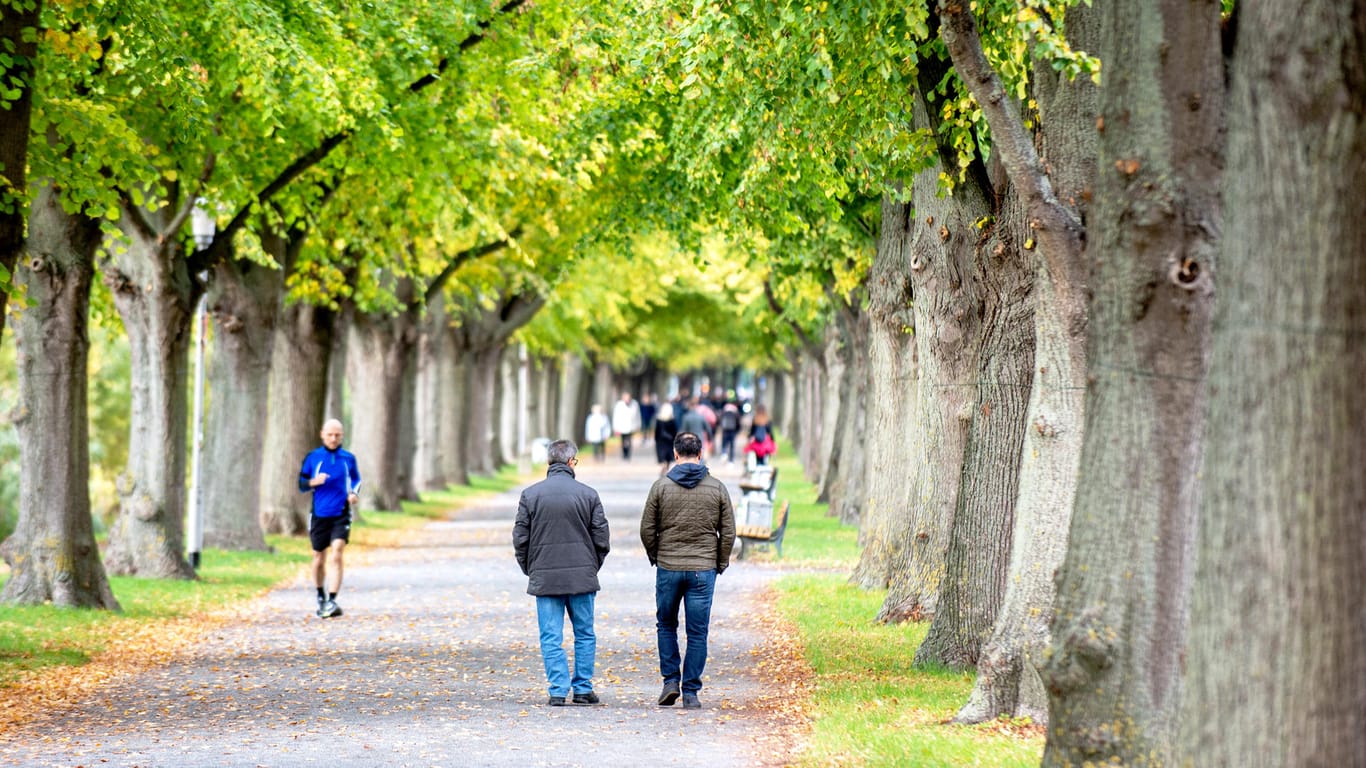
(561, 536)
(688, 523)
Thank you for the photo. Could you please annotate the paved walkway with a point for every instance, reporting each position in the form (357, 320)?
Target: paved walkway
(434, 664)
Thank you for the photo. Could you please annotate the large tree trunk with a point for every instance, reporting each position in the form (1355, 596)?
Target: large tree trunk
(1008, 679)
(978, 557)
(52, 553)
(884, 528)
(243, 300)
(948, 317)
(848, 461)
(510, 405)
(154, 296)
(1276, 666)
(480, 410)
(407, 421)
(575, 389)
(15, 122)
(300, 361)
(375, 357)
(830, 408)
(429, 458)
(1120, 627)
(455, 385)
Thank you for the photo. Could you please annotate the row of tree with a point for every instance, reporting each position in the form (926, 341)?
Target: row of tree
(996, 278)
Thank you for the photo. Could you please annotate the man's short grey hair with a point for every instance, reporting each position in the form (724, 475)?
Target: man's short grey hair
(561, 451)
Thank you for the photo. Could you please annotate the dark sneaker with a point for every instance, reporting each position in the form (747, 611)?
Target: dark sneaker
(586, 698)
(556, 701)
(669, 695)
(690, 701)
(330, 609)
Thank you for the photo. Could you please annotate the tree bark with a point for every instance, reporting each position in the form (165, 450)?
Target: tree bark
(429, 459)
(52, 553)
(1008, 681)
(15, 122)
(243, 301)
(948, 327)
(884, 529)
(978, 555)
(300, 360)
(1276, 667)
(376, 353)
(828, 409)
(1120, 625)
(154, 295)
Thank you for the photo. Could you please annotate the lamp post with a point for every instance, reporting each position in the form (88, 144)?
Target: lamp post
(203, 226)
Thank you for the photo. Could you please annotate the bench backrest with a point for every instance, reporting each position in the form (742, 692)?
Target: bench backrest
(782, 518)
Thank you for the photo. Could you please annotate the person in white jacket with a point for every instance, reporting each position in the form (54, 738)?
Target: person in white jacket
(626, 422)
(596, 432)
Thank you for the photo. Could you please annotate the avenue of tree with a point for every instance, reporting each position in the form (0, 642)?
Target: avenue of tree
(1063, 304)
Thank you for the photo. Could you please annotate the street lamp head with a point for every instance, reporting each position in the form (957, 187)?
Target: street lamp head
(202, 224)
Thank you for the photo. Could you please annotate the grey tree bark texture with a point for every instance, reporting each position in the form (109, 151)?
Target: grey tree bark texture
(52, 553)
(978, 554)
(154, 295)
(376, 351)
(1276, 666)
(15, 123)
(948, 327)
(1008, 681)
(891, 401)
(1119, 630)
(243, 301)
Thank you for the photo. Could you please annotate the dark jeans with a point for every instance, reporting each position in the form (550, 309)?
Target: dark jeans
(693, 589)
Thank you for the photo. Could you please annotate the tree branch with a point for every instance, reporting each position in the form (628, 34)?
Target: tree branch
(460, 259)
(810, 347)
(466, 44)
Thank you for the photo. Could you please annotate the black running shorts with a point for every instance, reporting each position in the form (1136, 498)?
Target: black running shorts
(322, 531)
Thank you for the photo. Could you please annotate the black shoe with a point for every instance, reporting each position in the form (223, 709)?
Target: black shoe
(329, 609)
(690, 701)
(669, 695)
(586, 698)
(556, 701)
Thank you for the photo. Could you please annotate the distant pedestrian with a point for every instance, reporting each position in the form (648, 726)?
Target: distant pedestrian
(666, 429)
(330, 472)
(626, 422)
(761, 442)
(597, 429)
(561, 539)
(688, 529)
(648, 410)
(730, 427)
(695, 421)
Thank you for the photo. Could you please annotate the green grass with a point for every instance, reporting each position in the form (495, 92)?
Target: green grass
(43, 636)
(870, 706)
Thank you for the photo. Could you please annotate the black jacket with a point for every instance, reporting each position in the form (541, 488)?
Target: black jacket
(561, 535)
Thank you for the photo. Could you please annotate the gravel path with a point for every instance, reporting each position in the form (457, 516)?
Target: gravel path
(435, 663)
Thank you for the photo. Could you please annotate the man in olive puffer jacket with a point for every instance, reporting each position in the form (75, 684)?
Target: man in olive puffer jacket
(688, 529)
(561, 539)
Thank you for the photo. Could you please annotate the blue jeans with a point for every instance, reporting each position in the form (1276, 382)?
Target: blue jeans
(550, 614)
(694, 590)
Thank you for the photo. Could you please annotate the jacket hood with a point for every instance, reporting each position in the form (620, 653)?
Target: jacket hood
(688, 475)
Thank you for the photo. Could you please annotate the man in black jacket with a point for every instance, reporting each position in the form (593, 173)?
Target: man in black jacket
(561, 539)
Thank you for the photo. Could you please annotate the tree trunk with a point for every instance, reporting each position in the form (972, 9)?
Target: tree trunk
(52, 553)
(455, 394)
(407, 421)
(829, 409)
(978, 556)
(575, 389)
(300, 360)
(1276, 667)
(1008, 681)
(480, 410)
(429, 458)
(849, 459)
(948, 317)
(509, 406)
(154, 296)
(1120, 626)
(243, 301)
(375, 358)
(15, 122)
(885, 524)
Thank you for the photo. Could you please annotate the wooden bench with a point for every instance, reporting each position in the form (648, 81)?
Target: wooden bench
(753, 535)
(763, 480)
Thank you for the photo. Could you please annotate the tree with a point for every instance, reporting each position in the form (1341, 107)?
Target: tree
(1274, 665)
(19, 31)
(52, 552)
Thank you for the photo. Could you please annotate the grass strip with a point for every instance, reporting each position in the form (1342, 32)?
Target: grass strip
(868, 705)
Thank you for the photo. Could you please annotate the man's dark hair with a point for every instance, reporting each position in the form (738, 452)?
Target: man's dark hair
(561, 451)
(687, 445)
